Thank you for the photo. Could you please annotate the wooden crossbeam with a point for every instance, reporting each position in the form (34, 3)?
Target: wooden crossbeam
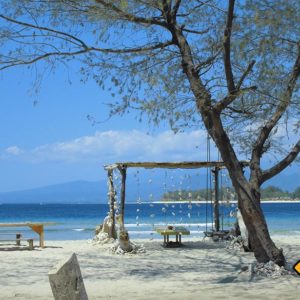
(171, 165)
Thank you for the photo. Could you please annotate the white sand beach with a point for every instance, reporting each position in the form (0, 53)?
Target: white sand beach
(199, 270)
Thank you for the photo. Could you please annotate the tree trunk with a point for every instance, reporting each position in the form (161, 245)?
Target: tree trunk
(249, 203)
(261, 243)
(248, 196)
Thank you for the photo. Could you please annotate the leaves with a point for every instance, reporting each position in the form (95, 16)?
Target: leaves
(152, 82)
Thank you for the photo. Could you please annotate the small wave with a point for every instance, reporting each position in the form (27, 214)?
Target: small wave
(78, 229)
(152, 231)
(141, 232)
(296, 232)
(164, 224)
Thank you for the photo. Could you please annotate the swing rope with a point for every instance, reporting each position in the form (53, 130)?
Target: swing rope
(221, 195)
(208, 186)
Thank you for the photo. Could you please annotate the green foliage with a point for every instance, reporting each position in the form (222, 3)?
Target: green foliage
(102, 36)
(226, 194)
(296, 193)
(274, 192)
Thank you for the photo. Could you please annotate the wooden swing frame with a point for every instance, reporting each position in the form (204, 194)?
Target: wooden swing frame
(123, 166)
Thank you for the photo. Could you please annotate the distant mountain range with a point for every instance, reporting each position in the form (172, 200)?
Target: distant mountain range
(96, 192)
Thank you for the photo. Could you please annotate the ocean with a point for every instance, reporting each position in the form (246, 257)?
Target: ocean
(78, 221)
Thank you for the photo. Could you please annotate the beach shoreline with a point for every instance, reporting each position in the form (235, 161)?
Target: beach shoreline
(199, 270)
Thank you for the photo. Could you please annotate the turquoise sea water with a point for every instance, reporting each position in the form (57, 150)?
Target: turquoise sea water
(78, 221)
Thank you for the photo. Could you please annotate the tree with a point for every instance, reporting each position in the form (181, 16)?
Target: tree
(233, 68)
(272, 192)
(296, 193)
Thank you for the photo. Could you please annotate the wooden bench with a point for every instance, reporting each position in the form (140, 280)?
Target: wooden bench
(178, 231)
(17, 240)
(36, 227)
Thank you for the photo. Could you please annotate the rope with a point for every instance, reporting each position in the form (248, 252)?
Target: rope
(221, 195)
(208, 185)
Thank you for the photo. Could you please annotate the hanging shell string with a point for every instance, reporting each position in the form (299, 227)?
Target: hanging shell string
(139, 201)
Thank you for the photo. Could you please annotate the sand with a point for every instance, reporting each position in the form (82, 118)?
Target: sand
(199, 270)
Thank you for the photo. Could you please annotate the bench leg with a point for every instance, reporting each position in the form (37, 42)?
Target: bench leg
(18, 239)
(30, 244)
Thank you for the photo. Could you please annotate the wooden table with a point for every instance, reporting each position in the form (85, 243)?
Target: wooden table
(178, 231)
(36, 227)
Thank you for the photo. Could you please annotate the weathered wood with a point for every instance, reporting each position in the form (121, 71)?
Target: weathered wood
(36, 227)
(18, 239)
(112, 200)
(24, 224)
(122, 170)
(66, 281)
(30, 244)
(171, 165)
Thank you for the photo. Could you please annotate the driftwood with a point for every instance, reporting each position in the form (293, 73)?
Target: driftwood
(105, 233)
(112, 201)
(66, 281)
(170, 165)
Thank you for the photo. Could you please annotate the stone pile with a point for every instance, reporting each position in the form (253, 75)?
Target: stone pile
(236, 243)
(135, 249)
(269, 269)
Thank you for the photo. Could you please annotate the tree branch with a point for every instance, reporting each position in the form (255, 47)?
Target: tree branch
(195, 31)
(175, 9)
(130, 17)
(133, 50)
(13, 63)
(282, 106)
(245, 74)
(221, 105)
(167, 11)
(208, 61)
(225, 102)
(267, 174)
(211, 5)
(227, 44)
(41, 57)
(44, 29)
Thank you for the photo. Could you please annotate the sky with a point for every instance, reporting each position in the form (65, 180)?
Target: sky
(46, 138)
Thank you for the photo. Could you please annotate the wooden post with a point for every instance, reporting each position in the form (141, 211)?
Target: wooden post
(215, 171)
(18, 239)
(112, 199)
(39, 229)
(122, 170)
(66, 281)
(30, 244)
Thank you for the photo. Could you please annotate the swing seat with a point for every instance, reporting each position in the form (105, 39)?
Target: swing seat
(178, 231)
(222, 234)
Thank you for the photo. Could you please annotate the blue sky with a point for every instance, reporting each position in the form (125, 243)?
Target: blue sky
(52, 141)
(47, 138)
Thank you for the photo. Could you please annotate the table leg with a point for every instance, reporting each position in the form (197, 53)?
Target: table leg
(39, 229)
